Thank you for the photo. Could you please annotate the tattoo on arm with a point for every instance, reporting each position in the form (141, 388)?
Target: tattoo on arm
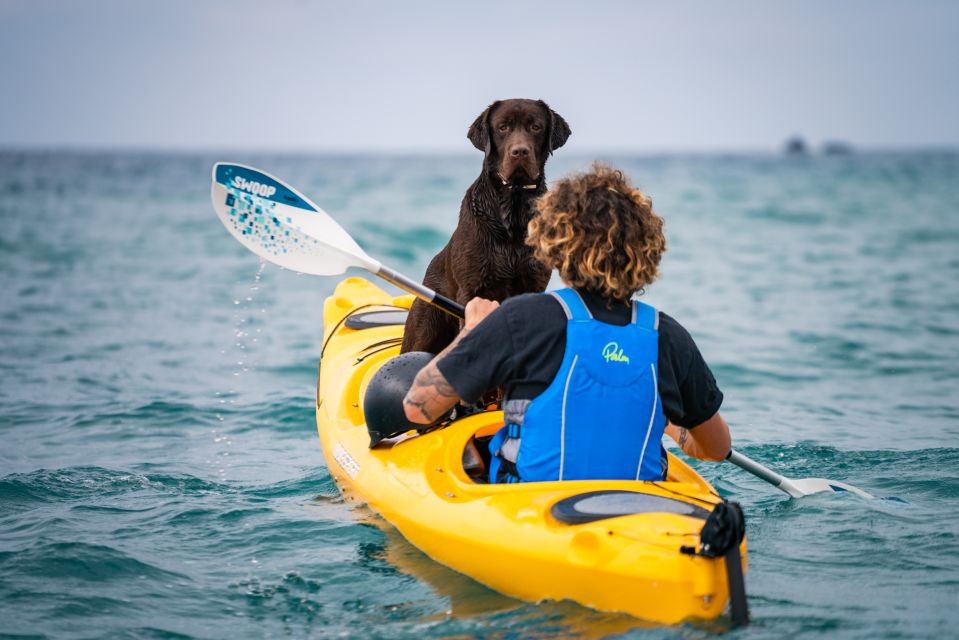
(420, 405)
(431, 393)
(683, 434)
(431, 377)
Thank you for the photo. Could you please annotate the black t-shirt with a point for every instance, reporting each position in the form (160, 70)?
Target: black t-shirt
(521, 345)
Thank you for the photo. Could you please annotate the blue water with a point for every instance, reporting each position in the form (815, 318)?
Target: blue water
(160, 474)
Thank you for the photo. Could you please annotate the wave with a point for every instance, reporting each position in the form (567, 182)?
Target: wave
(81, 483)
(81, 561)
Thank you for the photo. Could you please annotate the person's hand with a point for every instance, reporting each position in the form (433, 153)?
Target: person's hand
(477, 309)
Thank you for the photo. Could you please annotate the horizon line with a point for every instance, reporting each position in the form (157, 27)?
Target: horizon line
(811, 150)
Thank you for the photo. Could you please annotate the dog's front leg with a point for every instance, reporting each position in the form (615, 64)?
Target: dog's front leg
(428, 328)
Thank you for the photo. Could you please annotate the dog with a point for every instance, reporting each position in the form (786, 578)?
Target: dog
(487, 254)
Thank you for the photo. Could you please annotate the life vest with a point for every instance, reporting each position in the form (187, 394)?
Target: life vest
(601, 417)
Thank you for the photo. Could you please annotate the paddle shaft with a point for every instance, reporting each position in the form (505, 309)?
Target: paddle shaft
(763, 473)
(422, 292)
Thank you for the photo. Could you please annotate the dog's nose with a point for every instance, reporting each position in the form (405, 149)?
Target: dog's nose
(519, 151)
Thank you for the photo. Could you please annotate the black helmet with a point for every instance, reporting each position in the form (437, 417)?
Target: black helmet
(383, 403)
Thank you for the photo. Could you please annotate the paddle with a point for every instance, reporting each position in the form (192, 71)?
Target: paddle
(279, 224)
(795, 487)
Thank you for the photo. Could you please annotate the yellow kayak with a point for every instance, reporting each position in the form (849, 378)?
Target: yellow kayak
(613, 545)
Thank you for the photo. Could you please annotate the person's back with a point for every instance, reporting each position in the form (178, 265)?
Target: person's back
(601, 416)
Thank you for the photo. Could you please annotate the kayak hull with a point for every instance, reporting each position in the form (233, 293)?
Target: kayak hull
(507, 537)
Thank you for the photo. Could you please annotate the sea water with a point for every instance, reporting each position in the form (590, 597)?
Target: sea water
(160, 472)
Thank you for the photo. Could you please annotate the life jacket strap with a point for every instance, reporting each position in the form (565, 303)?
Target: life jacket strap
(513, 413)
(573, 304)
(504, 446)
(502, 470)
(575, 309)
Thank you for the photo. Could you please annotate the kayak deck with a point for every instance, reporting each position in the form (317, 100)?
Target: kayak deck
(532, 541)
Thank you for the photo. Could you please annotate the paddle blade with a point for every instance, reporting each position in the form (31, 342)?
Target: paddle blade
(809, 486)
(795, 488)
(281, 225)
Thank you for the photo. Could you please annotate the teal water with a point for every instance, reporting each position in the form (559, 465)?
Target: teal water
(160, 474)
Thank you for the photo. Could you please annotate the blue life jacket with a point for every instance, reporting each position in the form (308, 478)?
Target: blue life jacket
(601, 417)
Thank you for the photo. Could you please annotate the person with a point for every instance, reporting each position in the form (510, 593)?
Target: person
(591, 378)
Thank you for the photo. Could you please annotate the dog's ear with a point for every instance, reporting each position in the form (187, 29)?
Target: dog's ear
(557, 131)
(478, 132)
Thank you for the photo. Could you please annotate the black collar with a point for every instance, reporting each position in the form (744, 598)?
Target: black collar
(512, 187)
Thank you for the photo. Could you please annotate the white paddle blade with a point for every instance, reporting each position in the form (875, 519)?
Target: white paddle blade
(795, 488)
(281, 225)
(809, 486)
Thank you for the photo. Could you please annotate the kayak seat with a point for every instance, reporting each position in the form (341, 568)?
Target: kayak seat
(600, 505)
(379, 318)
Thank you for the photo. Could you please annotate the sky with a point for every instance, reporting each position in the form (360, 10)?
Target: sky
(361, 76)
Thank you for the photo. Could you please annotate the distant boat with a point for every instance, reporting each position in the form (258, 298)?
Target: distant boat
(795, 146)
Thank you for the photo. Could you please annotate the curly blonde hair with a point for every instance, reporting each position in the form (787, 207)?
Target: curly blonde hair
(600, 233)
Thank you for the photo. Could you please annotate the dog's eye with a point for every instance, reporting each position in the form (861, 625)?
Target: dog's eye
(535, 127)
(504, 128)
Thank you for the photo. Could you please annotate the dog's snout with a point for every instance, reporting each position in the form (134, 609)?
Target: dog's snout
(519, 151)
(519, 154)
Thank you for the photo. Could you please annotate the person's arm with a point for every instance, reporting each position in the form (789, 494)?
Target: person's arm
(709, 440)
(431, 394)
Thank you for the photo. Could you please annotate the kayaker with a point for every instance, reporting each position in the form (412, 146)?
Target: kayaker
(592, 379)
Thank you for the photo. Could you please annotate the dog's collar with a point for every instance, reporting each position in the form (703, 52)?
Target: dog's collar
(509, 185)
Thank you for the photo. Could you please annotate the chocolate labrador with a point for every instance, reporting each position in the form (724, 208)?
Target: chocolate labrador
(487, 255)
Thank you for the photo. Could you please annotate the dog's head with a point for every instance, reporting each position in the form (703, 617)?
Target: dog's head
(517, 136)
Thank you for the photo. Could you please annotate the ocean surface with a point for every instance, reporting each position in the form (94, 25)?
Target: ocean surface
(160, 472)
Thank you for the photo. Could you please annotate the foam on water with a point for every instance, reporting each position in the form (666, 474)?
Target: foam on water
(160, 474)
